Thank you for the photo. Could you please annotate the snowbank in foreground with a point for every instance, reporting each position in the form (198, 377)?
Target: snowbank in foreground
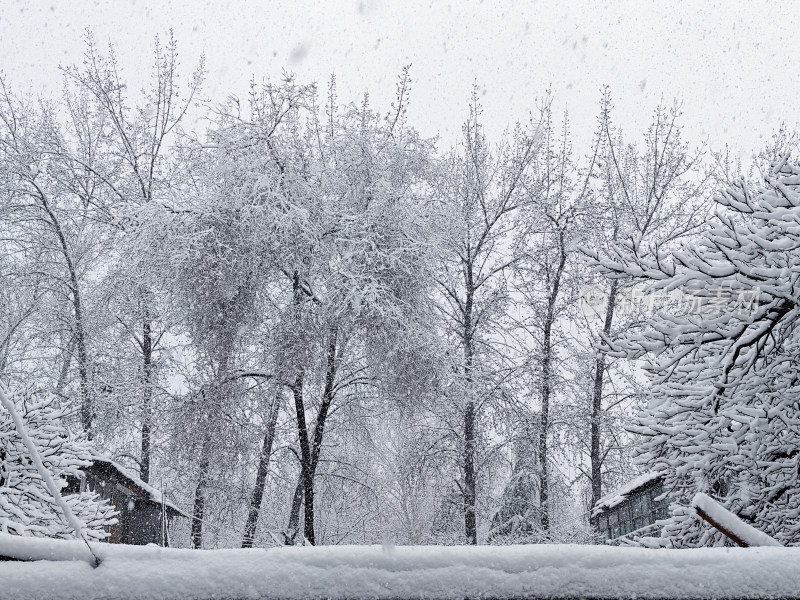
(397, 572)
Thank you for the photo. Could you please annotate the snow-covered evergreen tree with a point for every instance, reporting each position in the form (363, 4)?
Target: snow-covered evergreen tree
(27, 507)
(724, 417)
(519, 518)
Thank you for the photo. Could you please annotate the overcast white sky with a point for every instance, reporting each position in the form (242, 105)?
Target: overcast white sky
(731, 63)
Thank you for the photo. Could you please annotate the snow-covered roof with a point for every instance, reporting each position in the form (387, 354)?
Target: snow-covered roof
(388, 572)
(152, 493)
(619, 495)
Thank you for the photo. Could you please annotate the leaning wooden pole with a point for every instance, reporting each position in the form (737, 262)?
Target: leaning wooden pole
(726, 522)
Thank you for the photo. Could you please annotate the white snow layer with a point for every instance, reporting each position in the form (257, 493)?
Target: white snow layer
(361, 572)
(726, 519)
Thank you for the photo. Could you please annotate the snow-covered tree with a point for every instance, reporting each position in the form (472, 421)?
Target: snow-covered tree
(49, 211)
(550, 226)
(209, 261)
(360, 286)
(724, 412)
(20, 296)
(519, 517)
(123, 147)
(652, 193)
(482, 189)
(27, 506)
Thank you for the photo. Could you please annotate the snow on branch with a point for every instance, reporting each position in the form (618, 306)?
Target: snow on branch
(69, 516)
(38, 454)
(723, 416)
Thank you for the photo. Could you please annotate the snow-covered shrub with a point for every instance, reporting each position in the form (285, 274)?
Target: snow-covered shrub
(26, 506)
(724, 417)
(518, 520)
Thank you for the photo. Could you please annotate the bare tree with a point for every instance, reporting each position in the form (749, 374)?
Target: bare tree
(135, 171)
(651, 197)
(53, 207)
(481, 192)
(550, 227)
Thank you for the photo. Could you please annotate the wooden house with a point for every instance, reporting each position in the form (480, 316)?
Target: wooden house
(633, 509)
(144, 515)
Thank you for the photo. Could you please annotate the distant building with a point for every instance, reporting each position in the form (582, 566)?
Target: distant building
(144, 515)
(633, 509)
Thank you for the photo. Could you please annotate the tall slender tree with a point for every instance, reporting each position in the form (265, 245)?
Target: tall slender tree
(650, 195)
(550, 228)
(133, 143)
(482, 191)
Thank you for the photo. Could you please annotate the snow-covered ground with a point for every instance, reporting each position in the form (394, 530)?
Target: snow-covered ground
(396, 572)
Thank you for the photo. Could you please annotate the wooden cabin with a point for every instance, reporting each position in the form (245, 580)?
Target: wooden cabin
(144, 515)
(633, 509)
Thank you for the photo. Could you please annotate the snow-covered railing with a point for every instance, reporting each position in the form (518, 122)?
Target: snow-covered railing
(389, 573)
(728, 523)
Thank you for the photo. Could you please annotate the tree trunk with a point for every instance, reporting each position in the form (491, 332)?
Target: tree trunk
(64, 374)
(470, 521)
(546, 390)
(306, 478)
(305, 457)
(261, 475)
(294, 515)
(87, 411)
(544, 479)
(212, 405)
(310, 450)
(597, 400)
(199, 503)
(327, 397)
(147, 395)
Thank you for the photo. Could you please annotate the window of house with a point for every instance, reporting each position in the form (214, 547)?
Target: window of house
(659, 509)
(625, 511)
(602, 524)
(628, 514)
(637, 505)
(639, 511)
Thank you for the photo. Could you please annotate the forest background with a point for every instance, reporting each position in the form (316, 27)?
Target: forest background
(293, 312)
